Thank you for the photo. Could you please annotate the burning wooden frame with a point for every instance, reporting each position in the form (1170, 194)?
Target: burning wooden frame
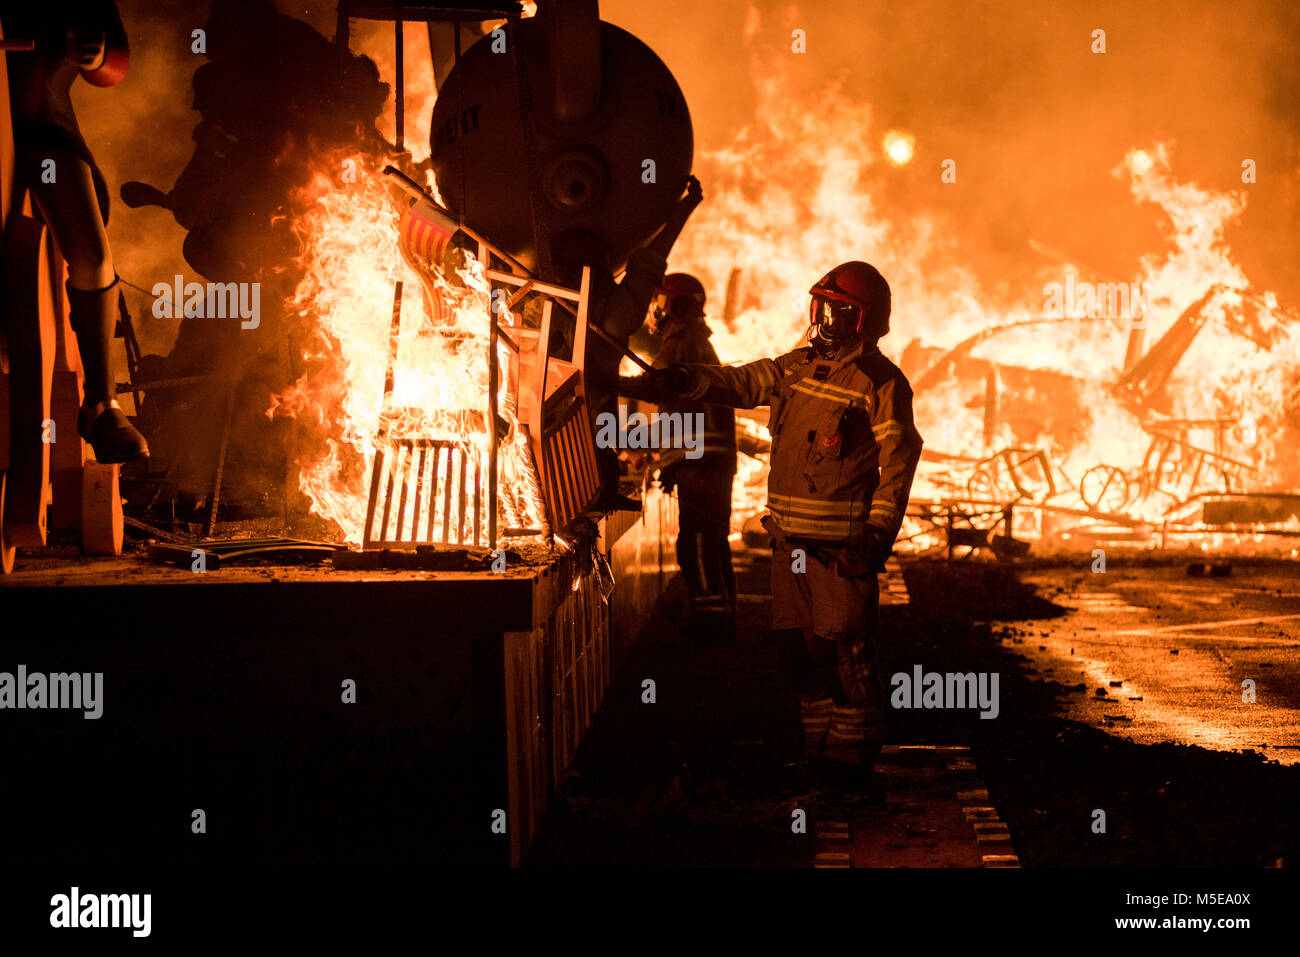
(550, 405)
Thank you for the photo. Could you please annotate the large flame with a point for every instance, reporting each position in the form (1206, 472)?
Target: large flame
(788, 197)
(352, 263)
(795, 193)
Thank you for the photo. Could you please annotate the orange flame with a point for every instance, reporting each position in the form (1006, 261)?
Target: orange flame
(352, 262)
(814, 205)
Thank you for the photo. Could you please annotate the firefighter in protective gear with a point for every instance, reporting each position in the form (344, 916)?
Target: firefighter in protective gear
(703, 484)
(620, 308)
(844, 452)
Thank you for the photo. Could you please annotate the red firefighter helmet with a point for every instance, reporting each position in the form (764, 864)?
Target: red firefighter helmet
(851, 301)
(679, 298)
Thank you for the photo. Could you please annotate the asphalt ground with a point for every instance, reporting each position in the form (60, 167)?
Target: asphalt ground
(711, 773)
(1165, 656)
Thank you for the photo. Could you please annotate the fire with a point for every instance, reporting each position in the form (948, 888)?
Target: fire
(1026, 381)
(899, 147)
(1083, 410)
(352, 263)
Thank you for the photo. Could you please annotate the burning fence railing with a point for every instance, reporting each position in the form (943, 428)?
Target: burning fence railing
(457, 426)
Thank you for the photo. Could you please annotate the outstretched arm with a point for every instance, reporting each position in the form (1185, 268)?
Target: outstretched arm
(664, 240)
(630, 299)
(738, 387)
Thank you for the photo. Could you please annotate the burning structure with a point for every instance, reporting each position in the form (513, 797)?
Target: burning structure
(465, 419)
(1141, 411)
(443, 206)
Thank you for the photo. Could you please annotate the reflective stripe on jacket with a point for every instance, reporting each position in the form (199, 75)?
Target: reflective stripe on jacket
(844, 445)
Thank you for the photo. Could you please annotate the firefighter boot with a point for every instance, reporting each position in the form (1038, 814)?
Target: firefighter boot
(815, 713)
(101, 422)
(852, 746)
(854, 738)
(816, 685)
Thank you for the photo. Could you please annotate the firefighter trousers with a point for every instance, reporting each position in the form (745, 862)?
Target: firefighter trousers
(841, 692)
(703, 552)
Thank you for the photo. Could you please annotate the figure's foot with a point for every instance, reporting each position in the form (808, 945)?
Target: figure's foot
(110, 433)
(851, 748)
(709, 621)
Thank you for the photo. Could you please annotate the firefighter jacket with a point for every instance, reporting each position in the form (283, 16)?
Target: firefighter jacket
(844, 446)
(687, 343)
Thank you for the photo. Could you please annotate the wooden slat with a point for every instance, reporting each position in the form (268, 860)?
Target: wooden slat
(433, 488)
(419, 490)
(405, 453)
(478, 496)
(460, 512)
(446, 498)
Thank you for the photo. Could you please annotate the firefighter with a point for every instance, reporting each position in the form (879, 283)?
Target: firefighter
(703, 484)
(844, 452)
(620, 308)
(74, 39)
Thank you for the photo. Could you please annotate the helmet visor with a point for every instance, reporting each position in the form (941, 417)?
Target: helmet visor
(659, 314)
(835, 320)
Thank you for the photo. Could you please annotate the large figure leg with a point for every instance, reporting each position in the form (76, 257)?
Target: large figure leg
(71, 210)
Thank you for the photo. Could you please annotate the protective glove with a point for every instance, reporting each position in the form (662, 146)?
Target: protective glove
(879, 545)
(867, 556)
(673, 381)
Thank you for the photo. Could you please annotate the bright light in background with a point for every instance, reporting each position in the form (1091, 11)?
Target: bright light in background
(1141, 162)
(900, 147)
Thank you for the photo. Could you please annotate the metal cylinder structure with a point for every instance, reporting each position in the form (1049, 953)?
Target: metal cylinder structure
(608, 127)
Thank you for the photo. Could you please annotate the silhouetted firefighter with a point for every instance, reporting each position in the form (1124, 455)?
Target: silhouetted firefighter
(703, 484)
(844, 452)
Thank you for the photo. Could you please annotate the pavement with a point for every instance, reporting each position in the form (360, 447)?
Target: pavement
(712, 774)
(1186, 772)
(1154, 654)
